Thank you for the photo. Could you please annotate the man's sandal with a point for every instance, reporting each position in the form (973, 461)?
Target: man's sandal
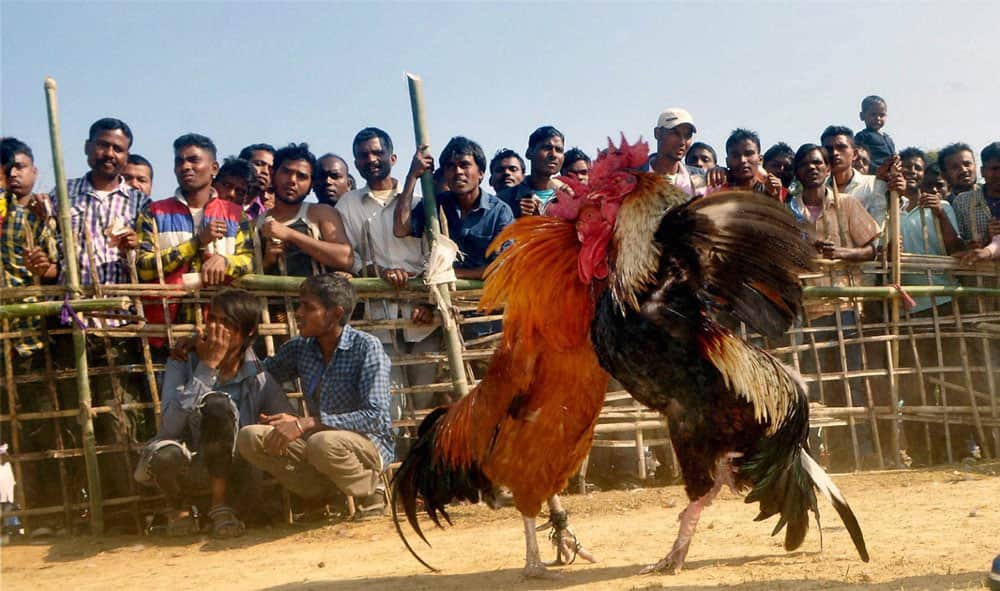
(181, 524)
(225, 523)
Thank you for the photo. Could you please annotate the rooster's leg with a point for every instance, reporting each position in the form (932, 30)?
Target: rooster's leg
(534, 568)
(673, 562)
(562, 537)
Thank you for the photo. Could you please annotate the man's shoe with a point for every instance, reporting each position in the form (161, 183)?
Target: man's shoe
(372, 506)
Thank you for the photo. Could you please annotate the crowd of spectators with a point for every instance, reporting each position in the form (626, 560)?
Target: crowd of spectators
(224, 409)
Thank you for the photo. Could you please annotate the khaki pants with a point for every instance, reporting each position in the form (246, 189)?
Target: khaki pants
(316, 464)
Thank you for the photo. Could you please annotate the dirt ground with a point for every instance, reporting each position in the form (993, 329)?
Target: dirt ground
(932, 529)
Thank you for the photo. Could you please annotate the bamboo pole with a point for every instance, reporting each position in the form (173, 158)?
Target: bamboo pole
(54, 308)
(886, 291)
(364, 285)
(896, 245)
(79, 339)
(453, 340)
(147, 355)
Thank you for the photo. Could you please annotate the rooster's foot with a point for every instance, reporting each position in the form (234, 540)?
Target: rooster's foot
(568, 547)
(671, 564)
(538, 571)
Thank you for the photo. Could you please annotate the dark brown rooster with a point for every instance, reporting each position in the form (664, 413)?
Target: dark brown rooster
(737, 415)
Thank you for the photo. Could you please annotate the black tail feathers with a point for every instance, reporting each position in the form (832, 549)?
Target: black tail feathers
(788, 488)
(423, 474)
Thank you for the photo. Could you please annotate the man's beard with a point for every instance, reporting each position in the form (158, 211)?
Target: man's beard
(280, 197)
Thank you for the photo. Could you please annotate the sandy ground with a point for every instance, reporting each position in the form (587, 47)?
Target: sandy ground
(935, 529)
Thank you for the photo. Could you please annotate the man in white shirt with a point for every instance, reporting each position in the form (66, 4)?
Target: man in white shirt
(367, 214)
(870, 190)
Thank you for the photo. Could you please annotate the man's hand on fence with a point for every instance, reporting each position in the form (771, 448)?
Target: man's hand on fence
(213, 270)
(422, 314)
(969, 258)
(396, 277)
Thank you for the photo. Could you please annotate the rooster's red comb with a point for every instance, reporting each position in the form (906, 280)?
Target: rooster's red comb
(616, 159)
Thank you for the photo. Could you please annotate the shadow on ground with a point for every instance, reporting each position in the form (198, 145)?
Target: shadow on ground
(73, 548)
(592, 578)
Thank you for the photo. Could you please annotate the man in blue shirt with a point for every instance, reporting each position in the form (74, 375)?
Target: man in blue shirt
(346, 441)
(474, 216)
(220, 386)
(546, 152)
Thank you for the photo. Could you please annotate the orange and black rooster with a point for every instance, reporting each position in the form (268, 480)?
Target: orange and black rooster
(737, 415)
(529, 423)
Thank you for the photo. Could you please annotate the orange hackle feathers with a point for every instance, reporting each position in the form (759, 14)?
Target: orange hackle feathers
(529, 423)
(535, 278)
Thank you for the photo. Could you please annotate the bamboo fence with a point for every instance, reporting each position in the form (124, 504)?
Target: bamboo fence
(946, 383)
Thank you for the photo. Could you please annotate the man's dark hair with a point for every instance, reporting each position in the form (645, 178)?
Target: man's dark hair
(237, 168)
(248, 151)
(990, 152)
(295, 152)
(540, 135)
(572, 156)
(460, 146)
(332, 290)
(197, 140)
(912, 152)
(803, 151)
(835, 130)
(241, 310)
(10, 147)
(332, 155)
(702, 146)
(109, 124)
(777, 150)
(503, 154)
(141, 161)
(871, 101)
(371, 133)
(740, 135)
(950, 150)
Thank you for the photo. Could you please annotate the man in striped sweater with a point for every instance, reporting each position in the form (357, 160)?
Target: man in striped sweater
(193, 231)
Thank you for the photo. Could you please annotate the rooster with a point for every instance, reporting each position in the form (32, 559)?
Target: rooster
(738, 417)
(529, 423)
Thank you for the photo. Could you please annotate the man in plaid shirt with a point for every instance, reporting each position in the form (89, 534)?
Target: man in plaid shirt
(346, 442)
(104, 209)
(25, 219)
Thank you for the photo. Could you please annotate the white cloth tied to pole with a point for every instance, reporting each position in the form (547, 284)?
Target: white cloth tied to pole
(440, 271)
(440, 267)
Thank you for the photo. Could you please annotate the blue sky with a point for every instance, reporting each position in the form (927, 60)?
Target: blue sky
(242, 72)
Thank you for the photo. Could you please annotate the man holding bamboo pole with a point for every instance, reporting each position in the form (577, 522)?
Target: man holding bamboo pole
(870, 190)
(368, 217)
(928, 226)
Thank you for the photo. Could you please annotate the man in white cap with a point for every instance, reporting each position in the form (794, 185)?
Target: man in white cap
(673, 132)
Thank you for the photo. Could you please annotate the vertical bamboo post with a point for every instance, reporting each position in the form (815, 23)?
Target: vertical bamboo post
(896, 246)
(147, 355)
(79, 339)
(453, 341)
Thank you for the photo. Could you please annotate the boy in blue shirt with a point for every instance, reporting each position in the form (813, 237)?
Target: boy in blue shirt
(880, 145)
